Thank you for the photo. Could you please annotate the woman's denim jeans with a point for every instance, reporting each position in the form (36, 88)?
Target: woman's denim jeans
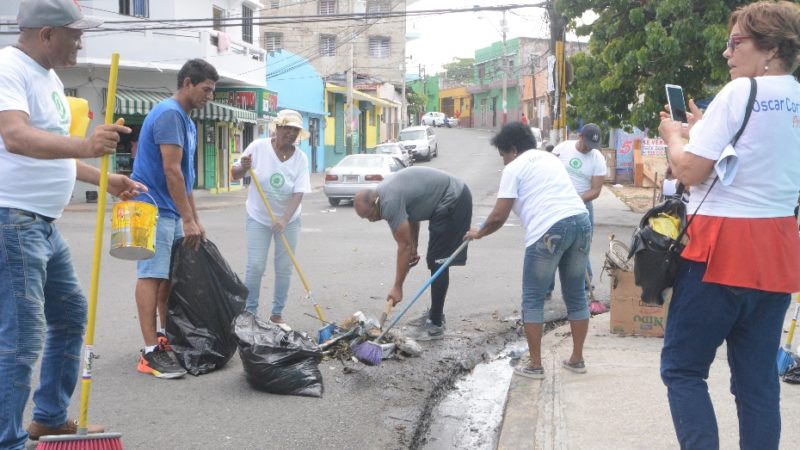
(564, 246)
(41, 305)
(701, 317)
(259, 237)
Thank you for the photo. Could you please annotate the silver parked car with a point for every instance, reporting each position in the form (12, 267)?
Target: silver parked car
(396, 150)
(420, 141)
(357, 172)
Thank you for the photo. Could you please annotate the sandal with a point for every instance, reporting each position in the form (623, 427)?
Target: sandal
(578, 367)
(529, 372)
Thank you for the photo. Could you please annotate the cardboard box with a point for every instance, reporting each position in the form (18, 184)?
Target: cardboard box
(631, 317)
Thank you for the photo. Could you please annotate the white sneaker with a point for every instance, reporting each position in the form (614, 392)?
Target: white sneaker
(282, 325)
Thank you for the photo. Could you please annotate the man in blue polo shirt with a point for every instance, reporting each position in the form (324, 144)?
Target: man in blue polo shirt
(165, 164)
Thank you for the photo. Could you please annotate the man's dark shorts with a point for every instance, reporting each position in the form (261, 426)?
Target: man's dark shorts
(446, 232)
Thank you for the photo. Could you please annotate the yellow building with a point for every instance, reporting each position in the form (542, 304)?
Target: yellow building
(367, 111)
(456, 102)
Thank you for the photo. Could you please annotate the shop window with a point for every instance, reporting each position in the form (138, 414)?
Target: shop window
(327, 45)
(136, 8)
(331, 104)
(378, 6)
(327, 7)
(217, 14)
(379, 47)
(273, 42)
(247, 24)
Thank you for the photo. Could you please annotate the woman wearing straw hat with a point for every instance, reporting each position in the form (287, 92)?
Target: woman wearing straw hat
(282, 171)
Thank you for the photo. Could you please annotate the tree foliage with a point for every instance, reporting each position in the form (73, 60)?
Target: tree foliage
(416, 103)
(637, 46)
(460, 70)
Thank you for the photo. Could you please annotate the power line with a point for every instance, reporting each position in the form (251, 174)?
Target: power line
(177, 24)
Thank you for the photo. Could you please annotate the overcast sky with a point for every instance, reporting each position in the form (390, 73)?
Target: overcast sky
(443, 37)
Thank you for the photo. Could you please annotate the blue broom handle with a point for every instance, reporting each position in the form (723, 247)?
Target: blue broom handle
(421, 290)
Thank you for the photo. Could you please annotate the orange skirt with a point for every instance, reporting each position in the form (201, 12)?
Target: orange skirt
(761, 253)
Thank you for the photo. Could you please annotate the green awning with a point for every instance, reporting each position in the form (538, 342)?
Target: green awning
(224, 113)
(134, 102)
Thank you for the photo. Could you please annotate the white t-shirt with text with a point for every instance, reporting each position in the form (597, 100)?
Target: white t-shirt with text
(279, 180)
(581, 166)
(542, 190)
(760, 177)
(42, 186)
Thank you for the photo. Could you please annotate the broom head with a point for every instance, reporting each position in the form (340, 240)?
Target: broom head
(98, 441)
(326, 332)
(785, 360)
(368, 353)
(595, 307)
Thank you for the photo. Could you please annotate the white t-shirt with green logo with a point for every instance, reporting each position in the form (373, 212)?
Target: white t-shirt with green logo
(581, 167)
(279, 180)
(42, 186)
(542, 192)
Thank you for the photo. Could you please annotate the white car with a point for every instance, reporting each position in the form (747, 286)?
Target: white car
(433, 119)
(420, 141)
(396, 150)
(357, 172)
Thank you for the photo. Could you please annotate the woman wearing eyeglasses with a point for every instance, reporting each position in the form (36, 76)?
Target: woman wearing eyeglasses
(742, 260)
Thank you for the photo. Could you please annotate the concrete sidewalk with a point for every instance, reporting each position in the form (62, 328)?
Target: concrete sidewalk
(620, 403)
(204, 199)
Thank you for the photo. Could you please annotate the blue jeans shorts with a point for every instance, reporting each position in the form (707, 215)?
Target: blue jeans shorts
(564, 246)
(168, 231)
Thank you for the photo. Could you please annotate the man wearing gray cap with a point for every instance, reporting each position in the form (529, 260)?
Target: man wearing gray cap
(41, 302)
(586, 167)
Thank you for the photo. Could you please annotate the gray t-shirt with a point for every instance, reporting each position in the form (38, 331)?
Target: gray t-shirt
(416, 194)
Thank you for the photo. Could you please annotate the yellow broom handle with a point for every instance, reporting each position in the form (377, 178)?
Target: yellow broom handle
(793, 324)
(286, 244)
(86, 382)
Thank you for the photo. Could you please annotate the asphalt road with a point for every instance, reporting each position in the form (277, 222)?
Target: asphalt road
(349, 263)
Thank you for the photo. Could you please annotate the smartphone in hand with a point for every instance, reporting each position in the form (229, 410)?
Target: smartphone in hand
(677, 104)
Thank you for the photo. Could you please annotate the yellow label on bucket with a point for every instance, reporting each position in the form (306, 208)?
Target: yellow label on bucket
(133, 230)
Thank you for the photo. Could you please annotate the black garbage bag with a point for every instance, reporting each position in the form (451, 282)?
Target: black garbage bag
(206, 297)
(792, 375)
(277, 361)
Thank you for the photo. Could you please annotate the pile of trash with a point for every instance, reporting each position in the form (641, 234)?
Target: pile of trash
(359, 328)
(207, 324)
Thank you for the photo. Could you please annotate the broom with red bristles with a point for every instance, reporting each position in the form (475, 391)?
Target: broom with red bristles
(595, 306)
(83, 440)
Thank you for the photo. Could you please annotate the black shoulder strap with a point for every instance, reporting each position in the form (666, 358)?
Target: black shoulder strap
(750, 102)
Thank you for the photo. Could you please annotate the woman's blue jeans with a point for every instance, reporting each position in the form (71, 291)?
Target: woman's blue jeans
(590, 208)
(701, 317)
(564, 246)
(41, 306)
(259, 238)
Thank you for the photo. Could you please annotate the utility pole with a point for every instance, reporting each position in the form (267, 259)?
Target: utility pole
(504, 28)
(534, 117)
(403, 113)
(558, 105)
(348, 124)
